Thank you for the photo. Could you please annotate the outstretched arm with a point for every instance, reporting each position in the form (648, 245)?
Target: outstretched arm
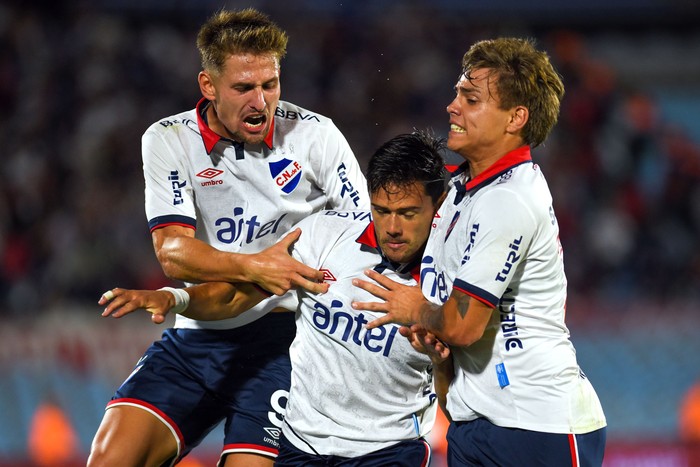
(460, 321)
(188, 259)
(208, 301)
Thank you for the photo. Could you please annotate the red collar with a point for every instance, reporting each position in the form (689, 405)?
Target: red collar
(369, 237)
(515, 157)
(210, 138)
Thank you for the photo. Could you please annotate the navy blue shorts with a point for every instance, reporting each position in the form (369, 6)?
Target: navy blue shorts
(413, 453)
(192, 379)
(480, 442)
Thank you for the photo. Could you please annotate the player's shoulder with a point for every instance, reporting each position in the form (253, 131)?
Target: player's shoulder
(186, 119)
(337, 221)
(288, 113)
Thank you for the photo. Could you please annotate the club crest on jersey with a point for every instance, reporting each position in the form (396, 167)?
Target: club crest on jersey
(286, 174)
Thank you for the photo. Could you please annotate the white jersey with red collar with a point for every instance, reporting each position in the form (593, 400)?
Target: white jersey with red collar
(241, 198)
(353, 391)
(497, 240)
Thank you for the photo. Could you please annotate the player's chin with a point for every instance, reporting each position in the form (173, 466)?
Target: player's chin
(396, 258)
(253, 138)
(400, 253)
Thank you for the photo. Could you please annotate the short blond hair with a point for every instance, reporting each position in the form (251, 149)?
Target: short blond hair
(229, 32)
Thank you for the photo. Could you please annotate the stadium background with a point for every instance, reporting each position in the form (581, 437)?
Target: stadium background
(79, 83)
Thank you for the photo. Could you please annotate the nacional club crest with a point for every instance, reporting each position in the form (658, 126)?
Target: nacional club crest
(286, 174)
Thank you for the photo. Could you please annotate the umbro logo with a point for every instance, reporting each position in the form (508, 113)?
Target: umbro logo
(274, 432)
(210, 173)
(437, 216)
(328, 276)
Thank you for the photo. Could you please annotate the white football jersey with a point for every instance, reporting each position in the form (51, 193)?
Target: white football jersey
(352, 391)
(242, 198)
(497, 240)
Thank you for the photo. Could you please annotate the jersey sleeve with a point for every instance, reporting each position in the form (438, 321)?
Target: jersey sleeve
(499, 238)
(168, 192)
(340, 175)
(307, 250)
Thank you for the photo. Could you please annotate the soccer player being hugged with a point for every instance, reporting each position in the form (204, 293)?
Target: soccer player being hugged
(224, 181)
(356, 394)
(492, 276)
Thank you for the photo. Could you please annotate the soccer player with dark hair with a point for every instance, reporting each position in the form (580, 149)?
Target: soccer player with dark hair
(492, 276)
(358, 397)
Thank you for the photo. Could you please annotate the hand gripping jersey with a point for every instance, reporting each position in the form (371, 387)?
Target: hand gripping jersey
(353, 391)
(242, 198)
(497, 240)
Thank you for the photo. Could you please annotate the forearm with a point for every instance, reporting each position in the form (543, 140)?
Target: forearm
(185, 258)
(443, 374)
(191, 260)
(461, 321)
(220, 300)
(431, 317)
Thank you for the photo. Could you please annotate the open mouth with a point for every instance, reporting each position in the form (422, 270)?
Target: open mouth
(255, 122)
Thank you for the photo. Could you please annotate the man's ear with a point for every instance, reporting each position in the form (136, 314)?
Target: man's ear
(206, 85)
(518, 118)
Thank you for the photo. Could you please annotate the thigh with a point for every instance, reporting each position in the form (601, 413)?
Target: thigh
(256, 423)
(168, 384)
(129, 436)
(479, 442)
(241, 459)
(258, 386)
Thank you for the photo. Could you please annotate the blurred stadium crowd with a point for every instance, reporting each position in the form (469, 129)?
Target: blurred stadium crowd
(79, 84)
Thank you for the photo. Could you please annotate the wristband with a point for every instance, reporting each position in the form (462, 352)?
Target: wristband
(182, 299)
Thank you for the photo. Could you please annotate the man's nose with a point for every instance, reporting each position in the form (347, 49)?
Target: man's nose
(258, 99)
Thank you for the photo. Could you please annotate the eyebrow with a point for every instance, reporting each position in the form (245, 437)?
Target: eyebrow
(467, 89)
(399, 210)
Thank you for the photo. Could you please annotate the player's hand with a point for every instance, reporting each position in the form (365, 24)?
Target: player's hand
(275, 270)
(401, 303)
(121, 302)
(426, 342)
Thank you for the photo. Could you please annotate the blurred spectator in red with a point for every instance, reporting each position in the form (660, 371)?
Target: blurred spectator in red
(689, 416)
(52, 439)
